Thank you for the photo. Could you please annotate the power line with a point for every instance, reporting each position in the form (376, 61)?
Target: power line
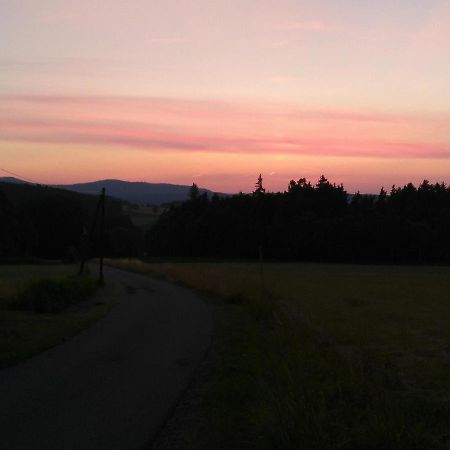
(19, 176)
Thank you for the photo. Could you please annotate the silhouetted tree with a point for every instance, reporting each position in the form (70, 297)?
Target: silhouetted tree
(194, 192)
(259, 189)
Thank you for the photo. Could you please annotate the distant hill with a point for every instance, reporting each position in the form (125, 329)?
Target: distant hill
(12, 180)
(47, 222)
(134, 192)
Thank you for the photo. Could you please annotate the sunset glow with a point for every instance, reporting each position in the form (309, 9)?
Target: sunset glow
(217, 92)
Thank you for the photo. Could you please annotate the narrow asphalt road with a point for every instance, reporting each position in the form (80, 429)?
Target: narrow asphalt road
(113, 385)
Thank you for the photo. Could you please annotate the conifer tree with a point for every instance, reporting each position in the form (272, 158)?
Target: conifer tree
(259, 189)
(194, 192)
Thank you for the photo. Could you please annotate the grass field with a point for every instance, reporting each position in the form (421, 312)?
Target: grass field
(323, 356)
(143, 217)
(25, 333)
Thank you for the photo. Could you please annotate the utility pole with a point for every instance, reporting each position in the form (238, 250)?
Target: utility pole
(101, 279)
(100, 209)
(87, 237)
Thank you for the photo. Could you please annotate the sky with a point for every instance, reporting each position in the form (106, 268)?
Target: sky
(217, 91)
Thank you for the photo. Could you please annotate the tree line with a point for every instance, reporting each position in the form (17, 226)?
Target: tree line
(311, 222)
(307, 222)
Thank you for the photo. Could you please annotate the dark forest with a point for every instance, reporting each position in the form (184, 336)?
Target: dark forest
(308, 222)
(311, 222)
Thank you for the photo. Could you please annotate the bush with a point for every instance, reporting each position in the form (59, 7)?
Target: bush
(52, 296)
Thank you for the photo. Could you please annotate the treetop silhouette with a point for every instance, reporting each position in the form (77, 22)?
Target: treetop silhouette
(312, 222)
(259, 189)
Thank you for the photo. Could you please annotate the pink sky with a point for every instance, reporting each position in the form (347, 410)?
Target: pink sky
(216, 92)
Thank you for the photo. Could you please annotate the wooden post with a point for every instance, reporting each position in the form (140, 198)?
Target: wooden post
(102, 236)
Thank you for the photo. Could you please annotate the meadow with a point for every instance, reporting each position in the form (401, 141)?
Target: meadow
(39, 308)
(322, 356)
(143, 217)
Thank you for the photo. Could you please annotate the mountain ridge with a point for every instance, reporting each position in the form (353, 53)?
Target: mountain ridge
(138, 192)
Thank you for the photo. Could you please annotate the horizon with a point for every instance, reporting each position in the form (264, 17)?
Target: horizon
(387, 189)
(217, 92)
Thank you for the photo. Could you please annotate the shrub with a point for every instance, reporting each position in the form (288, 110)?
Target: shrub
(52, 296)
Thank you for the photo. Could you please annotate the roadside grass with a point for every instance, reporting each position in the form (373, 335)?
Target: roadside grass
(15, 277)
(41, 306)
(319, 356)
(53, 296)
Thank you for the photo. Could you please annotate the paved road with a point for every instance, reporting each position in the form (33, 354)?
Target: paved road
(113, 385)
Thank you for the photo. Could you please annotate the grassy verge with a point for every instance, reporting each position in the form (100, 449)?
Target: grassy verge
(41, 306)
(53, 296)
(324, 356)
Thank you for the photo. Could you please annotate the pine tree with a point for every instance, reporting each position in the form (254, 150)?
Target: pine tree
(194, 192)
(259, 189)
